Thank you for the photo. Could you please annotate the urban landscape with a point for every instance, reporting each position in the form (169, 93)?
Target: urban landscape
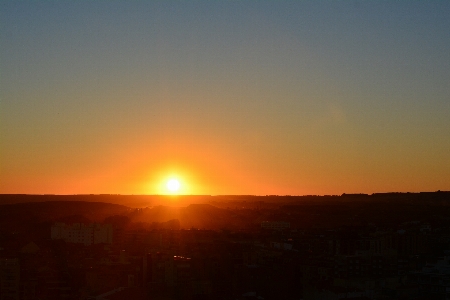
(225, 150)
(356, 246)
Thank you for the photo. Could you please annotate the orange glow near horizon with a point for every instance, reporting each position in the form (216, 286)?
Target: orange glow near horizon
(219, 168)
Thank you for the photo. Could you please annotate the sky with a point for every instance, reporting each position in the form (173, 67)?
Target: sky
(229, 97)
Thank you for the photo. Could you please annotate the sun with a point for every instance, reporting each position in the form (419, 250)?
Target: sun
(173, 185)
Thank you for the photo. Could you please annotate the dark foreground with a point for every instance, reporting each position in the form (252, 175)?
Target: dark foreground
(381, 246)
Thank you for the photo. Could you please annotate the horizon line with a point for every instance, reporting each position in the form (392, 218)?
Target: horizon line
(221, 195)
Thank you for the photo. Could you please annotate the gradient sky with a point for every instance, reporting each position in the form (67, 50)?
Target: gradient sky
(231, 97)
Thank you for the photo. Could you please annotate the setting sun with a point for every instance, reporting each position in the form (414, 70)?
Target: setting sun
(173, 185)
(171, 180)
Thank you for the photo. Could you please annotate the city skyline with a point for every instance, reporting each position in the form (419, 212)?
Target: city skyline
(254, 97)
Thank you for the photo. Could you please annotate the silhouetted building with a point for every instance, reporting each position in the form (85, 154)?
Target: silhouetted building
(275, 225)
(9, 279)
(83, 234)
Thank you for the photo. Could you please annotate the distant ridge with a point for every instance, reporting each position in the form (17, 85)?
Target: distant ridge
(139, 201)
(128, 200)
